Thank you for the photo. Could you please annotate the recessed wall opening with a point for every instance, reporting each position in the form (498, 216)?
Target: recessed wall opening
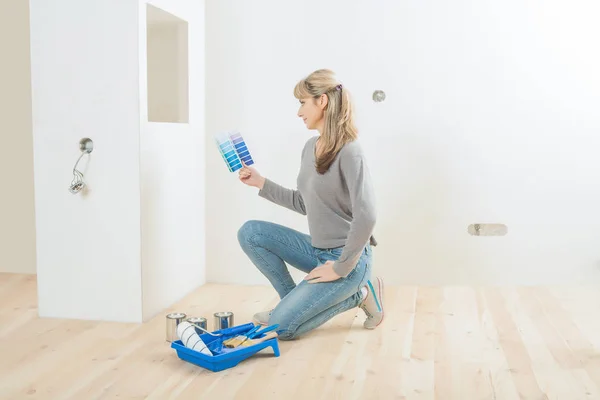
(167, 68)
(487, 229)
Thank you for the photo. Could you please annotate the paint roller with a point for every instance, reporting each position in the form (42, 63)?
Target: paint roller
(190, 339)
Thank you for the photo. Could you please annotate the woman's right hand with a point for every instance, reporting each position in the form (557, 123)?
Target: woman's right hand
(251, 177)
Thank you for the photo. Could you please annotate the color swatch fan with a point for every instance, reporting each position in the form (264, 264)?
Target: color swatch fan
(234, 150)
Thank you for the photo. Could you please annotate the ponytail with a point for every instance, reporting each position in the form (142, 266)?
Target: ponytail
(339, 126)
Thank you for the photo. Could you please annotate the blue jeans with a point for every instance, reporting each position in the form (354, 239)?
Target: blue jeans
(305, 306)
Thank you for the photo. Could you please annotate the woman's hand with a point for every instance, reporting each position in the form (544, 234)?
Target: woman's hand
(251, 177)
(323, 273)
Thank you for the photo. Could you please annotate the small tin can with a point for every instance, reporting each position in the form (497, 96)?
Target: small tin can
(223, 320)
(199, 321)
(173, 320)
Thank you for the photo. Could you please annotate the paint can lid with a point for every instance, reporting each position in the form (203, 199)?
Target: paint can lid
(176, 315)
(223, 314)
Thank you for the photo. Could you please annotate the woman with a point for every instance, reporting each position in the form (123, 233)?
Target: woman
(335, 193)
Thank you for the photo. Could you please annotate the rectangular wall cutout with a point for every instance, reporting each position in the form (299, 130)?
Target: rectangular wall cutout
(487, 230)
(167, 55)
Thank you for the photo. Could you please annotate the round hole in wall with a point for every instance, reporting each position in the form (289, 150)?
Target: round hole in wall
(378, 96)
(86, 145)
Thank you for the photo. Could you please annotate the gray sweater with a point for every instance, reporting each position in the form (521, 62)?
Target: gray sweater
(339, 205)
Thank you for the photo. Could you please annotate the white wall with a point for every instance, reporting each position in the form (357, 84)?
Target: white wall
(491, 117)
(85, 77)
(17, 217)
(172, 174)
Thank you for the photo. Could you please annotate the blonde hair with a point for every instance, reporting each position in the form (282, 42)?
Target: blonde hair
(339, 113)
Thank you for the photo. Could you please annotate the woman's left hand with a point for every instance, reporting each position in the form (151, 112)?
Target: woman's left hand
(323, 273)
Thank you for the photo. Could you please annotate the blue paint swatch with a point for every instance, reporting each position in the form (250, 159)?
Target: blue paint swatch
(228, 152)
(233, 149)
(241, 148)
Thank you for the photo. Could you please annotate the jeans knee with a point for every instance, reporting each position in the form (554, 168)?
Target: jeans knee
(285, 335)
(247, 230)
(285, 330)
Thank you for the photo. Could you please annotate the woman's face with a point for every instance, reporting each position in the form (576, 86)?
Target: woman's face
(312, 111)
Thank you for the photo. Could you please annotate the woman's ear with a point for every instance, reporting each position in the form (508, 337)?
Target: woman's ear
(323, 101)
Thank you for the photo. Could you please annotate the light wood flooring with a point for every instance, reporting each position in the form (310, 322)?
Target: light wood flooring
(436, 343)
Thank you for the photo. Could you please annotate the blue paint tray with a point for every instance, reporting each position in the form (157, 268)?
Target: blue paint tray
(223, 358)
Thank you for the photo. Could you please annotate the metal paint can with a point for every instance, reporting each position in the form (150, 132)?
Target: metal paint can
(223, 320)
(200, 321)
(173, 320)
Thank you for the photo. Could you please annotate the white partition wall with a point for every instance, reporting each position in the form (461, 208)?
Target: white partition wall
(132, 242)
(172, 150)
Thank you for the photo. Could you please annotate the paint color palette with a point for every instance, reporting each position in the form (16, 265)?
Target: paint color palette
(233, 149)
(240, 148)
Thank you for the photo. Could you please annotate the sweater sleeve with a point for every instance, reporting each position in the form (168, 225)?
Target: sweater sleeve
(288, 198)
(362, 198)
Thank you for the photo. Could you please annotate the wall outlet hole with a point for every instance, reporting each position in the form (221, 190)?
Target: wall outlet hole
(487, 229)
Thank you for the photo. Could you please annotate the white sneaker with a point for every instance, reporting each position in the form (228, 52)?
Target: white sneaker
(372, 304)
(262, 318)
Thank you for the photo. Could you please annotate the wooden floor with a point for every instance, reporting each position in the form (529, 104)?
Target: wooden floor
(436, 343)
